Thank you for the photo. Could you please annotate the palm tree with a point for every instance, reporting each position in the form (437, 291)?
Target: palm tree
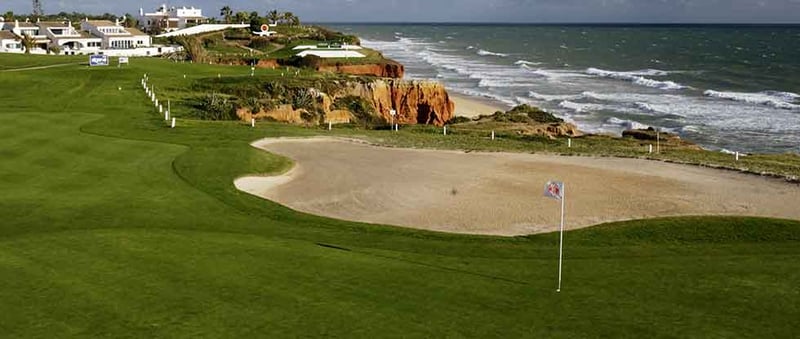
(273, 16)
(288, 17)
(242, 17)
(226, 12)
(27, 42)
(193, 48)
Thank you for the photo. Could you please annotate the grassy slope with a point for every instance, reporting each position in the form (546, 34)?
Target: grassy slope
(114, 225)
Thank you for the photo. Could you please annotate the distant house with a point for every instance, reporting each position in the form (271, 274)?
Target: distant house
(26, 28)
(9, 42)
(170, 19)
(114, 36)
(93, 37)
(67, 38)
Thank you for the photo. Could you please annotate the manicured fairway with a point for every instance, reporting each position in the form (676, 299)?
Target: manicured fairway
(112, 225)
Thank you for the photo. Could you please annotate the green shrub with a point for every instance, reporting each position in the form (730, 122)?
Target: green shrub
(302, 99)
(216, 106)
(458, 120)
(362, 110)
(535, 113)
(260, 43)
(308, 61)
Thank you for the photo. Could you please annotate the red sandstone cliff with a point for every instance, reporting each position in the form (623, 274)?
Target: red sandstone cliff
(416, 102)
(381, 70)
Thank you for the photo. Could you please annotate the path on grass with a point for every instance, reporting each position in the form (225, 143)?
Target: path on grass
(39, 67)
(501, 193)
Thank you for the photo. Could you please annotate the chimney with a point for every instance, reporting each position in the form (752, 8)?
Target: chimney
(116, 22)
(16, 23)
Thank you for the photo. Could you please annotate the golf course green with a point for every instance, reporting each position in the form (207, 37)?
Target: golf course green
(112, 224)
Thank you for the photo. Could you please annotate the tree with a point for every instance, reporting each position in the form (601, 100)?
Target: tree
(130, 21)
(242, 17)
(9, 16)
(226, 13)
(255, 21)
(291, 19)
(273, 16)
(193, 48)
(27, 42)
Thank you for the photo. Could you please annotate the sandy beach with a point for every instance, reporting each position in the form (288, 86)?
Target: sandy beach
(471, 107)
(501, 193)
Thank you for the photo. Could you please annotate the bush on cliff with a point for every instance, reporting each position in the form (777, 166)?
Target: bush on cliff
(458, 120)
(363, 112)
(524, 114)
(216, 106)
(308, 61)
(260, 43)
(303, 99)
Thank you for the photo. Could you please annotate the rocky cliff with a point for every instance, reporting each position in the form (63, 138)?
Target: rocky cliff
(416, 102)
(382, 70)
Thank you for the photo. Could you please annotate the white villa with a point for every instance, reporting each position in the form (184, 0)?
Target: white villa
(114, 36)
(94, 37)
(172, 18)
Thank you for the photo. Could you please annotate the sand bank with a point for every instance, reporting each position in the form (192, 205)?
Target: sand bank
(472, 107)
(501, 193)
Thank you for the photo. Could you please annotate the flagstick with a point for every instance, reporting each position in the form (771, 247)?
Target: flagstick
(561, 241)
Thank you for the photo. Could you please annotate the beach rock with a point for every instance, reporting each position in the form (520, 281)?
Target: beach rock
(643, 134)
(667, 139)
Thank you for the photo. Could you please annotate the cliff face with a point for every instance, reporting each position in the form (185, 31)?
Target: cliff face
(385, 70)
(416, 102)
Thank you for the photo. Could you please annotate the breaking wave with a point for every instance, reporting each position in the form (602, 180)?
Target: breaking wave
(638, 78)
(484, 52)
(782, 100)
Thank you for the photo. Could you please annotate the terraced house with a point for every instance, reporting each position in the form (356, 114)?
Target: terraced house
(90, 37)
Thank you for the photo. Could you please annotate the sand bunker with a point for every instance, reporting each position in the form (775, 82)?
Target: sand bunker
(501, 193)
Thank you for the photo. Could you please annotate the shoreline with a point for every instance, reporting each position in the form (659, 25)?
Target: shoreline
(473, 106)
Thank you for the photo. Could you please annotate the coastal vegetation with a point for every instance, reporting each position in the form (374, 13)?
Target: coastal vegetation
(116, 225)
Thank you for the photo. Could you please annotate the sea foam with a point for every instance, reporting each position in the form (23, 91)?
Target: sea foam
(484, 52)
(782, 100)
(638, 77)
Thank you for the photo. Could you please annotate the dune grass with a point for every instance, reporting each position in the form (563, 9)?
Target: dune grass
(114, 225)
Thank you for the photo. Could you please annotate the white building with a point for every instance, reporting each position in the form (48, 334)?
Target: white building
(114, 36)
(68, 39)
(26, 28)
(94, 37)
(172, 18)
(9, 43)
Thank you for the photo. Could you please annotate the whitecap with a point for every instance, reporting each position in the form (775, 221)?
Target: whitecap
(484, 52)
(637, 77)
(782, 100)
(627, 124)
(526, 63)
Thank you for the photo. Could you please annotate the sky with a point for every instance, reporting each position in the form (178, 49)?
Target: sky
(529, 11)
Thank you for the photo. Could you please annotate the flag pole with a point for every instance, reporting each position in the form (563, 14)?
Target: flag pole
(561, 241)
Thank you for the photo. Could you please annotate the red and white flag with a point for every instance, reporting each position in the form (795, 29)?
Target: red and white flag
(554, 189)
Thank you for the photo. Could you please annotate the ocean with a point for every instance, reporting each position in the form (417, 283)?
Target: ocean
(727, 88)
